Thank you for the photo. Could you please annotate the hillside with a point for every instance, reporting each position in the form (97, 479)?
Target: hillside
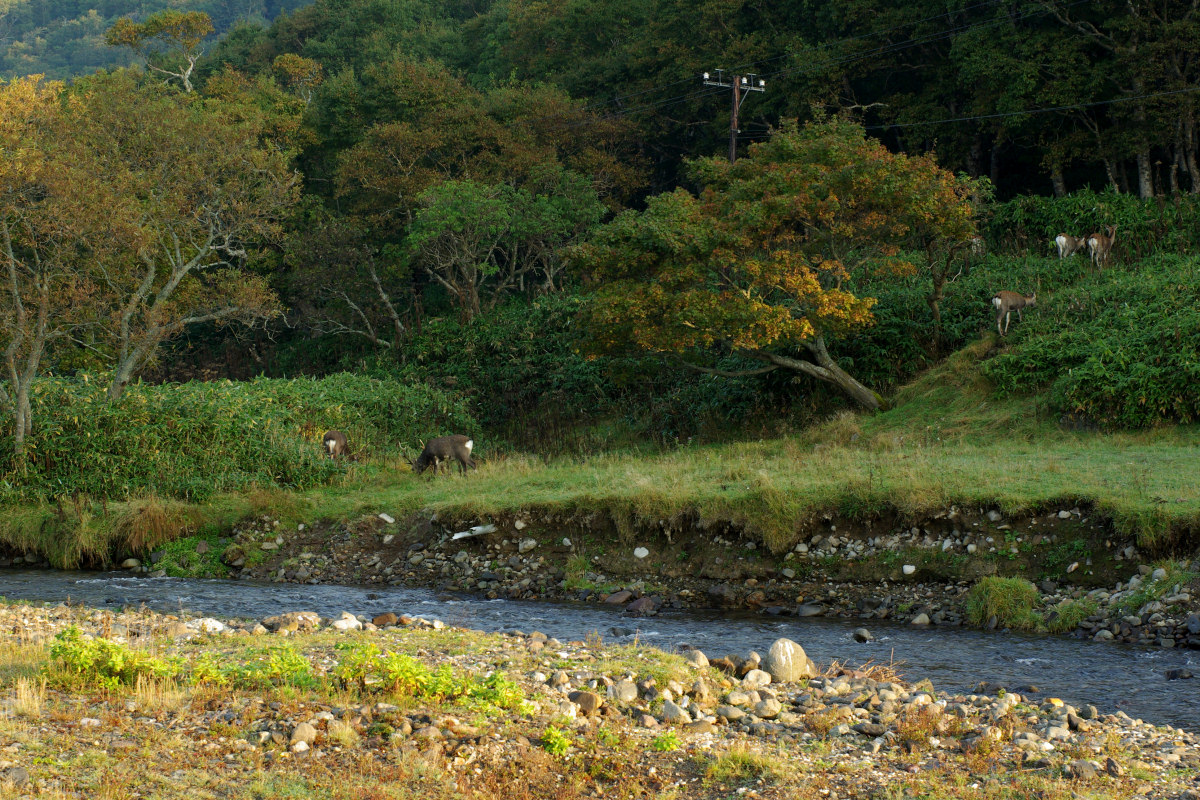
(65, 38)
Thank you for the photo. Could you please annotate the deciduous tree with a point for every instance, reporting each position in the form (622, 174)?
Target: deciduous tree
(761, 262)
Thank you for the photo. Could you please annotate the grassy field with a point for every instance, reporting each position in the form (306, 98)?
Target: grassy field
(944, 442)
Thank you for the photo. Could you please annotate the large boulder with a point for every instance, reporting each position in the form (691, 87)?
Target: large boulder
(786, 661)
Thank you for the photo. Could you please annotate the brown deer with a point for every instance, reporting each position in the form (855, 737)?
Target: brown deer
(1101, 245)
(439, 451)
(334, 443)
(1069, 245)
(1008, 302)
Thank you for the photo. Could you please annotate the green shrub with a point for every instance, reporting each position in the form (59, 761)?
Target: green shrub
(100, 662)
(666, 741)
(1010, 600)
(192, 440)
(555, 742)
(1029, 224)
(1067, 615)
(1121, 349)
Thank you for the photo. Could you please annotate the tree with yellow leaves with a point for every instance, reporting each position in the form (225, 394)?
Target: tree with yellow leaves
(762, 262)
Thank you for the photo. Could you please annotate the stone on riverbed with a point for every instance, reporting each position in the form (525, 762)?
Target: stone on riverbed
(674, 714)
(863, 635)
(786, 661)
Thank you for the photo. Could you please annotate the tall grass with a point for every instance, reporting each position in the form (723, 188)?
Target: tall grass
(194, 440)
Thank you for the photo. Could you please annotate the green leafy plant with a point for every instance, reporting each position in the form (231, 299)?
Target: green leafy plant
(104, 663)
(555, 742)
(666, 741)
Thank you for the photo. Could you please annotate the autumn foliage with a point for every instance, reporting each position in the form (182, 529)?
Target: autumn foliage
(762, 262)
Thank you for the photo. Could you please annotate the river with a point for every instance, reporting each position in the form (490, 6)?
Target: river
(1111, 676)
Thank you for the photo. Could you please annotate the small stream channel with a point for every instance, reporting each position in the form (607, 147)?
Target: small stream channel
(1111, 676)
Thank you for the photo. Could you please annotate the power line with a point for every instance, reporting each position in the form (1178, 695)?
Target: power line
(886, 49)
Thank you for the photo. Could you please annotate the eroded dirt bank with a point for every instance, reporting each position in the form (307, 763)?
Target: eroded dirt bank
(1091, 582)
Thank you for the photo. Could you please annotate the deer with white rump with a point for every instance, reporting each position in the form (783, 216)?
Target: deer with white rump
(1069, 245)
(1007, 302)
(439, 451)
(1101, 245)
(334, 443)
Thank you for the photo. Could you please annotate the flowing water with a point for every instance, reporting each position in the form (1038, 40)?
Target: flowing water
(1111, 676)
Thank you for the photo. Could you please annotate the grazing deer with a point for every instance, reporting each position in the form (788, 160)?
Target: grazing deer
(1008, 302)
(1101, 245)
(335, 443)
(1069, 245)
(439, 451)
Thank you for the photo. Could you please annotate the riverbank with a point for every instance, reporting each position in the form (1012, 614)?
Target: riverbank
(296, 705)
(943, 571)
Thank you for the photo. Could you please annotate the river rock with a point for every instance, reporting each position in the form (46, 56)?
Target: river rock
(920, 619)
(589, 702)
(731, 713)
(130, 563)
(640, 552)
(303, 732)
(1193, 624)
(810, 610)
(756, 679)
(786, 661)
(209, 625)
(347, 622)
(624, 691)
(17, 776)
(862, 635)
(617, 598)
(293, 620)
(768, 708)
(526, 544)
(384, 620)
(908, 569)
(642, 607)
(675, 715)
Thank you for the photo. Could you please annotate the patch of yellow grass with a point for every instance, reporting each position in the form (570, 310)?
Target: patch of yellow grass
(29, 698)
(158, 695)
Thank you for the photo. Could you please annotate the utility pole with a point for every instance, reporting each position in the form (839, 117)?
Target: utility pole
(739, 84)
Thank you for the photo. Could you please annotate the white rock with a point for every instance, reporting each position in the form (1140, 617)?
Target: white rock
(386, 518)
(391, 537)
(519, 524)
(209, 625)
(1074, 566)
(757, 679)
(641, 552)
(908, 569)
(348, 622)
(971, 548)
(526, 544)
(566, 542)
(130, 563)
(1064, 515)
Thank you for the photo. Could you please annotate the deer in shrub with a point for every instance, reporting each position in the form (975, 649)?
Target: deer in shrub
(1101, 245)
(1069, 245)
(334, 443)
(439, 451)
(1008, 302)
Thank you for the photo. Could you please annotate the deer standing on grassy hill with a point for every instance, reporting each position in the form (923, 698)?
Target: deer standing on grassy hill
(334, 443)
(1101, 245)
(1008, 302)
(1069, 245)
(439, 451)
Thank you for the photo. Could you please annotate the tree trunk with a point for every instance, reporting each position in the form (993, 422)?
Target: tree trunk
(1145, 174)
(126, 367)
(1057, 180)
(826, 369)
